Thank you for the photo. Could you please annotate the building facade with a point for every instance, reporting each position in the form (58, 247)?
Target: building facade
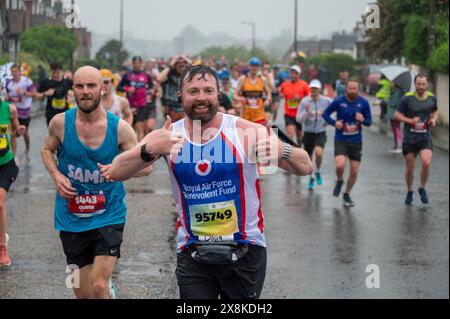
(18, 16)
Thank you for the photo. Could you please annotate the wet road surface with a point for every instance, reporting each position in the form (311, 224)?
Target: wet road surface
(316, 248)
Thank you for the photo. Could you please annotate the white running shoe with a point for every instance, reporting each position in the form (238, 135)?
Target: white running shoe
(112, 290)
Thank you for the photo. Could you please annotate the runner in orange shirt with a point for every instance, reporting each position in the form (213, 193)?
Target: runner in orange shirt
(254, 94)
(294, 91)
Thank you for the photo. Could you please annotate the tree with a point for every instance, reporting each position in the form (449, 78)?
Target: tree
(404, 30)
(49, 43)
(111, 54)
(335, 62)
(415, 46)
(439, 59)
(234, 53)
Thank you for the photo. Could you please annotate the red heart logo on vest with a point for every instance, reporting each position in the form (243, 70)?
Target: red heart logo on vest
(203, 167)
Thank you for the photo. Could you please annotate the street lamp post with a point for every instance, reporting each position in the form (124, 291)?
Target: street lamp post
(253, 25)
(72, 60)
(121, 23)
(296, 26)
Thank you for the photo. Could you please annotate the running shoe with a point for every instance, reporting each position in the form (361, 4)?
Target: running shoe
(5, 261)
(319, 178)
(409, 198)
(337, 188)
(423, 196)
(112, 290)
(396, 151)
(348, 201)
(311, 184)
(7, 239)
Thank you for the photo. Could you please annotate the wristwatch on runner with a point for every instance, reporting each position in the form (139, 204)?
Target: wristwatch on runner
(146, 156)
(287, 151)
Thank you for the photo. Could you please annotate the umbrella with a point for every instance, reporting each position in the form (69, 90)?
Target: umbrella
(405, 81)
(399, 75)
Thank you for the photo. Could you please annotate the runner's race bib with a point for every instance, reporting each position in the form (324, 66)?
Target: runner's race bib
(252, 103)
(216, 219)
(88, 204)
(314, 115)
(292, 104)
(15, 99)
(351, 129)
(59, 103)
(421, 128)
(4, 147)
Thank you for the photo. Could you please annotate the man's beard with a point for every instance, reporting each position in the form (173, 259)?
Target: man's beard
(95, 102)
(352, 96)
(203, 117)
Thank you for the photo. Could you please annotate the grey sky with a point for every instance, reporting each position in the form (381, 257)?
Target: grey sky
(164, 19)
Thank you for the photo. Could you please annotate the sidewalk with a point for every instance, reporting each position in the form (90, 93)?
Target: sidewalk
(440, 133)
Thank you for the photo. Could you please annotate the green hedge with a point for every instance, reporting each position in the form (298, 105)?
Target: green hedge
(335, 62)
(439, 59)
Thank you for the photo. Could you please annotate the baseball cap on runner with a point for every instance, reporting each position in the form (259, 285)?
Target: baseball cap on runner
(297, 69)
(315, 84)
(254, 61)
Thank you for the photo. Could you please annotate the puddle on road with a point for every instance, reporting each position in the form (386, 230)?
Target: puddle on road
(145, 264)
(31, 189)
(134, 190)
(143, 190)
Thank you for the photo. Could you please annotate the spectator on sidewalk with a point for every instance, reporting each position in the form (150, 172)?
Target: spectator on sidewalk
(383, 95)
(394, 101)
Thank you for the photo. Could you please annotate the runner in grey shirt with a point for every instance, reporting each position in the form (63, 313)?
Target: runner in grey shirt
(309, 114)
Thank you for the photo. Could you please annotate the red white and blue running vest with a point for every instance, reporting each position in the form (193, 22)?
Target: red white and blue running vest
(217, 190)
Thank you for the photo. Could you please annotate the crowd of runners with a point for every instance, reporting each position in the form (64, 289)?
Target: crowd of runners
(217, 140)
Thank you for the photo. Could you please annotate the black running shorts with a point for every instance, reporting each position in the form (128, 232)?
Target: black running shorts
(416, 148)
(8, 174)
(352, 150)
(243, 279)
(82, 248)
(313, 140)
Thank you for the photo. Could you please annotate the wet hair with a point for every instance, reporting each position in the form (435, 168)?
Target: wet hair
(55, 66)
(421, 75)
(352, 79)
(15, 66)
(194, 70)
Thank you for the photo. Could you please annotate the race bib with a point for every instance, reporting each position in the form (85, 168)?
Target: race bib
(3, 145)
(217, 219)
(313, 115)
(58, 103)
(88, 204)
(421, 128)
(252, 103)
(15, 99)
(351, 129)
(292, 104)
